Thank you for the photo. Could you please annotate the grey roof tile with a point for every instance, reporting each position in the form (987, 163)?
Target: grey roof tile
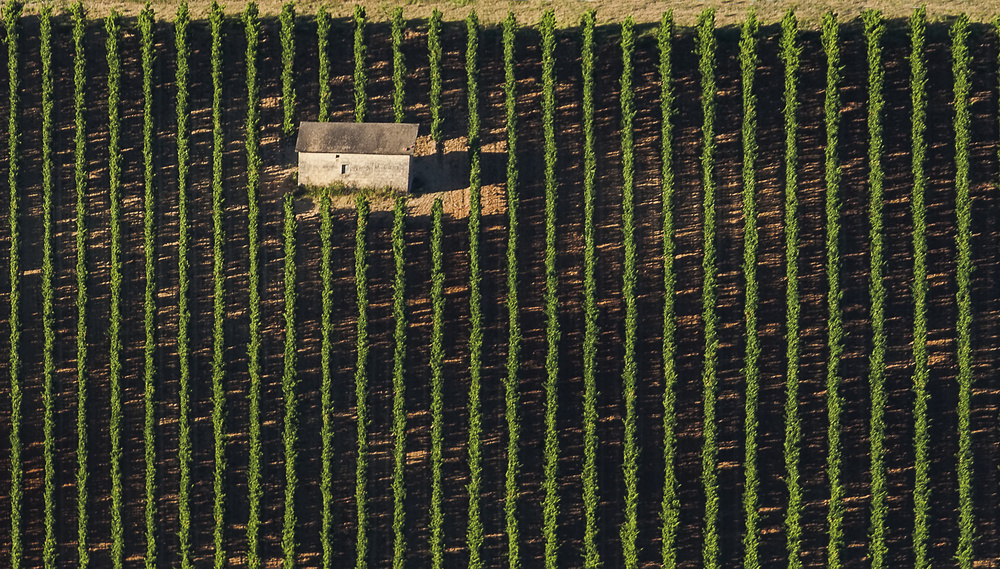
(357, 138)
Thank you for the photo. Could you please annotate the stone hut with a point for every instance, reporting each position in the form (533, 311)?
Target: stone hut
(358, 155)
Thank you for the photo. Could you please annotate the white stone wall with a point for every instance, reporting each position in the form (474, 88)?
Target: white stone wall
(362, 170)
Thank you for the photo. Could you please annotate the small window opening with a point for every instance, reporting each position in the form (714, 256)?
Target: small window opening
(345, 168)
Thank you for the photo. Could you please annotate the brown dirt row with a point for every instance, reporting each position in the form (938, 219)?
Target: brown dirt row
(278, 158)
(568, 12)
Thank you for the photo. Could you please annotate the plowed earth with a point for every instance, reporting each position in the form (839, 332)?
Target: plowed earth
(279, 161)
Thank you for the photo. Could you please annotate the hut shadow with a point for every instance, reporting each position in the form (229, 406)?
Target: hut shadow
(447, 171)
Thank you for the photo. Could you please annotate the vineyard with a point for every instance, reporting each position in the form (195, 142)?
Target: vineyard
(712, 295)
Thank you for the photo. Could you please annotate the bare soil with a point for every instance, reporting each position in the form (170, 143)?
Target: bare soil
(568, 12)
(444, 174)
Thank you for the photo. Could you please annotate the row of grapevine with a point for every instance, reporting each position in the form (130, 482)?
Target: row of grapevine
(670, 506)
(289, 382)
(181, 80)
(218, 294)
(398, 66)
(921, 372)
(399, 385)
(474, 531)
(12, 17)
(751, 371)
(630, 460)
(146, 23)
(437, 405)
(790, 51)
(874, 29)
(360, 73)
(835, 332)
(434, 55)
(80, 183)
(591, 556)
(48, 319)
(513, 307)
(255, 489)
(963, 212)
(706, 45)
(326, 351)
(550, 508)
(361, 383)
(323, 47)
(48, 293)
(287, 19)
(113, 29)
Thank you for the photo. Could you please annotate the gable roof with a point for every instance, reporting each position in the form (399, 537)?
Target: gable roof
(357, 138)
